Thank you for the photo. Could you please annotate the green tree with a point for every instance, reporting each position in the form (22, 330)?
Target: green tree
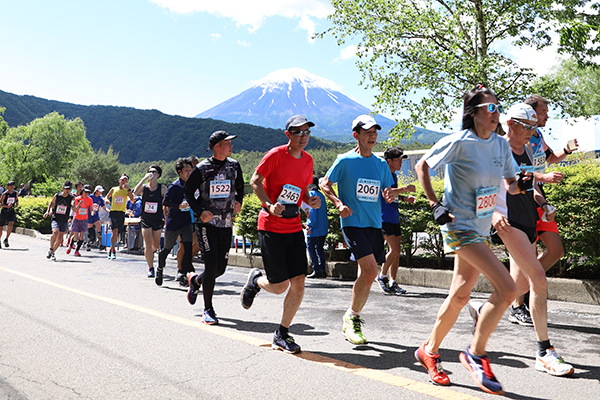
(46, 146)
(97, 168)
(3, 125)
(422, 56)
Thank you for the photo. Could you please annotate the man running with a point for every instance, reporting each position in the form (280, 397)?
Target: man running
(390, 217)
(179, 220)
(118, 206)
(361, 177)
(60, 209)
(281, 182)
(220, 184)
(94, 226)
(81, 207)
(9, 200)
(317, 226)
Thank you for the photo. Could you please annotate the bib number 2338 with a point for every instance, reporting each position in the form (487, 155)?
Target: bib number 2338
(367, 190)
(485, 201)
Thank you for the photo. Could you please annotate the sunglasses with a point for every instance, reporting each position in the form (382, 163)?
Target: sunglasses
(300, 133)
(154, 171)
(491, 107)
(526, 126)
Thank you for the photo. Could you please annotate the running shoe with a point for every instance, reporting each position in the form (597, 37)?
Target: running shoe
(151, 272)
(553, 364)
(384, 284)
(184, 281)
(49, 254)
(481, 372)
(69, 248)
(250, 288)
(88, 247)
(395, 289)
(474, 310)
(352, 328)
(520, 315)
(6, 243)
(102, 248)
(53, 256)
(433, 364)
(285, 344)
(194, 288)
(77, 253)
(209, 317)
(109, 254)
(159, 276)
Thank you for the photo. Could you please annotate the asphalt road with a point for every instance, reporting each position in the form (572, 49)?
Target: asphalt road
(91, 328)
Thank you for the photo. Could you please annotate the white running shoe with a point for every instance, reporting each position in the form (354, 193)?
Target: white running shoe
(553, 364)
(474, 307)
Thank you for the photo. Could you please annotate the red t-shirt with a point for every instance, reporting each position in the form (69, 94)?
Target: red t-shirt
(84, 208)
(280, 169)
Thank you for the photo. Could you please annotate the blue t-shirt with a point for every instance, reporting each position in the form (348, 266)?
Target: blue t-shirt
(318, 217)
(470, 164)
(389, 211)
(360, 182)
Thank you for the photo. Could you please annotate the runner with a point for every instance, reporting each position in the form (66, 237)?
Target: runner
(118, 206)
(361, 177)
(9, 200)
(220, 183)
(515, 220)
(179, 221)
(317, 226)
(475, 161)
(60, 209)
(81, 207)
(76, 193)
(281, 181)
(547, 231)
(94, 226)
(390, 218)
(152, 220)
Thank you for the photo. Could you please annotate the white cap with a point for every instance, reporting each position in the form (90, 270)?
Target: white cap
(521, 111)
(99, 188)
(364, 121)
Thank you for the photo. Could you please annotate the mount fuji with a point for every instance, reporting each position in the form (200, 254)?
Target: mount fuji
(286, 92)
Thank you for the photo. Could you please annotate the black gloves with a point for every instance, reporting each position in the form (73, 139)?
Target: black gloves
(524, 185)
(441, 214)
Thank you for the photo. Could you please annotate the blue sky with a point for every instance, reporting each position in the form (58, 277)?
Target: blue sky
(178, 56)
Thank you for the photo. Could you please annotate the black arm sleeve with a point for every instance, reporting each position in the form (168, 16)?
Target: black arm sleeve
(239, 185)
(193, 183)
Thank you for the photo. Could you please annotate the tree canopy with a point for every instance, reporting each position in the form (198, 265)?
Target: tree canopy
(423, 55)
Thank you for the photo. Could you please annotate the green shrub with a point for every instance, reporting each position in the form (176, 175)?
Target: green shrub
(30, 213)
(246, 222)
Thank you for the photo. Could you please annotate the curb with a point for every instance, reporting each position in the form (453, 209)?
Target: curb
(585, 291)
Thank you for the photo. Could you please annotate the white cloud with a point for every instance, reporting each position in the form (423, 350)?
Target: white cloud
(309, 26)
(215, 37)
(252, 13)
(347, 53)
(243, 43)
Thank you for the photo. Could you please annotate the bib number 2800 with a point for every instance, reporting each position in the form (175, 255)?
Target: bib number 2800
(486, 201)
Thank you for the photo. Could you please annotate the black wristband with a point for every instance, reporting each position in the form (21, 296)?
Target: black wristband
(567, 152)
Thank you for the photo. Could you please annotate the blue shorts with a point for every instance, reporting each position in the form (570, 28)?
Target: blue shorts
(365, 241)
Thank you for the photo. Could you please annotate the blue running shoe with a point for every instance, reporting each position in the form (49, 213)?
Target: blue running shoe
(151, 273)
(285, 344)
(481, 372)
(193, 289)
(209, 317)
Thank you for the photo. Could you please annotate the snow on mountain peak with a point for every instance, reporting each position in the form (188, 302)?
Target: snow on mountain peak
(287, 76)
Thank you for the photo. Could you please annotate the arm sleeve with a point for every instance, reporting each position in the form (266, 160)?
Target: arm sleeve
(194, 182)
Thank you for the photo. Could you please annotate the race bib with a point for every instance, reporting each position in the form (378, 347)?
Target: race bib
(61, 209)
(367, 190)
(220, 189)
(150, 208)
(10, 201)
(82, 211)
(485, 202)
(95, 207)
(119, 200)
(289, 195)
(539, 162)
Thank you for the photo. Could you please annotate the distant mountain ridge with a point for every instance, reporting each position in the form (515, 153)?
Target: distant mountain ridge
(145, 135)
(286, 92)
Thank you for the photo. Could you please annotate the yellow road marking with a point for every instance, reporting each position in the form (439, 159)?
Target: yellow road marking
(380, 376)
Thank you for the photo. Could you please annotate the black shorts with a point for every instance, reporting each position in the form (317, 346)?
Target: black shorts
(117, 221)
(530, 231)
(365, 241)
(283, 254)
(6, 217)
(390, 229)
(155, 225)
